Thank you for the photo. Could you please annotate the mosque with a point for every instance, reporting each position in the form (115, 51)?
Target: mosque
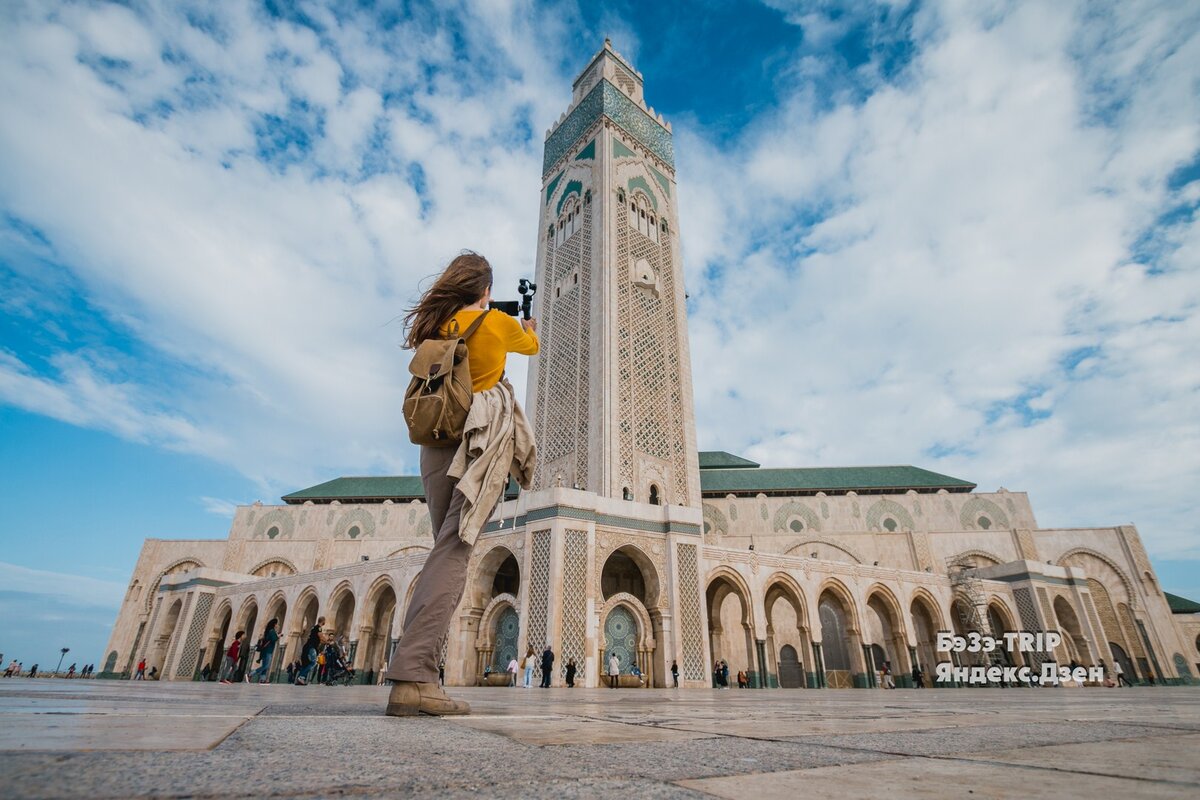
(633, 542)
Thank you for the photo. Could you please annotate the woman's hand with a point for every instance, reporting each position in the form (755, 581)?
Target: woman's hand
(530, 324)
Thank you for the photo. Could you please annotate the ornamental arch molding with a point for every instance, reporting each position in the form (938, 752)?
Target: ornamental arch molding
(974, 556)
(799, 549)
(851, 606)
(781, 585)
(170, 569)
(287, 562)
(1108, 562)
(485, 637)
(640, 613)
(932, 607)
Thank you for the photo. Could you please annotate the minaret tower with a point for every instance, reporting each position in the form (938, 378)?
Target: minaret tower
(610, 394)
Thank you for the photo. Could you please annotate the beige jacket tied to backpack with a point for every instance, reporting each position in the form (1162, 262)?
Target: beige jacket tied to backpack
(497, 441)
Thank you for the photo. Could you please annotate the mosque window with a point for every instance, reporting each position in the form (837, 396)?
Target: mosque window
(354, 532)
(570, 220)
(625, 493)
(890, 524)
(984, 523)
(796, 525)
(272, 532)
(642, 216)
(654, 498)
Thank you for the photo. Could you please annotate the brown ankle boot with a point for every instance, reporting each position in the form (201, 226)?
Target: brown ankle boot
(409, 698)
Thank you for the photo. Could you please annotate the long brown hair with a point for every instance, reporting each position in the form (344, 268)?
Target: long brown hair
(463, 282)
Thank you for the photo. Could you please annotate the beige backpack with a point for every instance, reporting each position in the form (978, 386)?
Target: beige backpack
(439, 394)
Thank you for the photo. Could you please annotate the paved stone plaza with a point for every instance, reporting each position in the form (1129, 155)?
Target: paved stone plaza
(109, 739)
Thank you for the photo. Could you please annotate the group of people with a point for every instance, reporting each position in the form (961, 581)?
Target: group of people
(16, 669)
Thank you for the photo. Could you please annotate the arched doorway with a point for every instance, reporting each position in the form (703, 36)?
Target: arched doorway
(1000, 623)
(886, 638)
(248, 622)
(162, 642)
(375, 636)
(1073, 639)
(277, 610)
(840, 644)
(787, 633)
(302, 619)
(342, 618)
(629, 574)
(926, 623)
(217, 641)
(1121, 657)
(730, 632)
(791, 672)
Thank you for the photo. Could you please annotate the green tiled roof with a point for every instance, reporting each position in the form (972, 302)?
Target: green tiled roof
(1181, 605)
(371, 490)
(892, 480)
(719, 459)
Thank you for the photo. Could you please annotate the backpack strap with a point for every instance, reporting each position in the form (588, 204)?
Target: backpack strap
(475, 325)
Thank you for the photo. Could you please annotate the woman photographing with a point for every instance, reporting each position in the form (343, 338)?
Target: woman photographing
(464, 480)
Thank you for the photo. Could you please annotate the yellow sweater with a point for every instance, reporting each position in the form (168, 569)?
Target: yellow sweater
(498, 336)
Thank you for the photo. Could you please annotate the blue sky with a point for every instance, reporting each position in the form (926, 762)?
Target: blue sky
(966, 230)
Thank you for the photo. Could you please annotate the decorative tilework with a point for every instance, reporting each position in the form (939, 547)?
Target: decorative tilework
(689, 612)
(638, 182)
(880, 510)
(608, 101)
(610, 520)
(539, 589)
(573, 187)
(792, 510)
(276, 518)
(588, 152)
(355, 518)
(553, 185)
(574, 610)
(191, 646)
(177, 634)
(978, 507)
(663, 181)
(1027, 545)
(620, 150)
(561, 417)
(1029, 620)
(714, 520)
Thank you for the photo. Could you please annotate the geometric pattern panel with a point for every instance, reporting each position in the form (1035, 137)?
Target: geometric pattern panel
(539, 589)
(980, 513)
(153, 621)
(620, 638)
(191, 646)
(796, 517)
(508, 629)
(609, 101)
(177, 634)
(689, 613)
(881, 510)
(574, 610)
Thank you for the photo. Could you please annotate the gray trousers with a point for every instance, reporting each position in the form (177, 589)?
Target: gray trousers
(440, 585)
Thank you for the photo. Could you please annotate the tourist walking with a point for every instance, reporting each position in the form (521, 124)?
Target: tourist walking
(140, 675)
(512, 672)
(547, 666)
(614, 670)
(462, 483)
(886, 672)
(1119, 671)
(571, 674)
(33, 671)
(231, 658)
(266, 651)
(529, 664)
(71, 670)
(918, 677)
(309, 653)
(675, 673)
(8, 673)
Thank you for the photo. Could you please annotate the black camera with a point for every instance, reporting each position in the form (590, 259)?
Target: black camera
(524, 307)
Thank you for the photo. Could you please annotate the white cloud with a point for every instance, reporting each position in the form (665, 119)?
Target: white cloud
(921, 261)
(78, 590)
(893, 274)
